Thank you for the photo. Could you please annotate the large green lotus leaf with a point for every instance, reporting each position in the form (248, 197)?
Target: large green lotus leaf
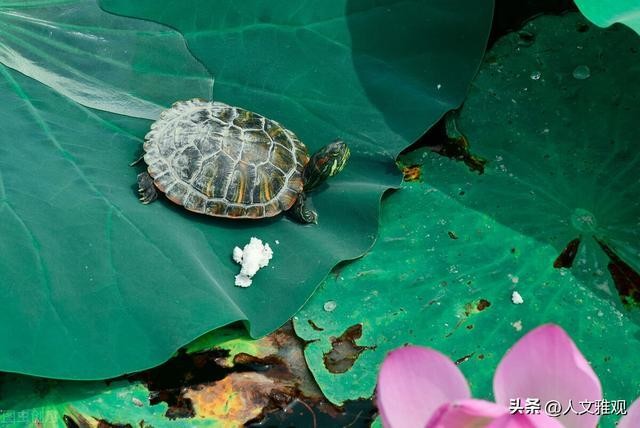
(564, 161)
(100, 60)
(96, 284)
(453, 249)
(607, 12)
(442, 275)
(376, 73)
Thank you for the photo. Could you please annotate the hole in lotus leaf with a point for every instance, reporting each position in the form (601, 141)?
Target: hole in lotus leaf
(411, 173)
(566, 257)
(314, 326)
(626, 279)
(457, 146)
(344, 350)
(168, 381)
(463, 359)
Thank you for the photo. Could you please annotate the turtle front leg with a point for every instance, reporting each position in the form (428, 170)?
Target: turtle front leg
(146, 188)
(302, 212)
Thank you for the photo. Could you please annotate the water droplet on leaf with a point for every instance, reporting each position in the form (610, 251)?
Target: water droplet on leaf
(330, 306)
(582, 72)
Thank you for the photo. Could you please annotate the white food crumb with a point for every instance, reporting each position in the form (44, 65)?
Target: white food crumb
(252, 257)
(516, 298)
(517, 325)
(277, 242)
(237, 255)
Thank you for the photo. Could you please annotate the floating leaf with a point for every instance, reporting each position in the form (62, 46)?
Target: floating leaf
(105, 285)
(98, 59)
(608, 12)
(453, 249)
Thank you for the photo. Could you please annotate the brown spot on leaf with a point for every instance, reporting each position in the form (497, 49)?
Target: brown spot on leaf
(412, 173)
(566, 257)
(483, 304)
(275, 375)
(626, 279)
(238, 398)
(475, 307)
(344, 350)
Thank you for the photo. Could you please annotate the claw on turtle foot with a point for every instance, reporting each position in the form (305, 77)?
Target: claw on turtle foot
(146, 188)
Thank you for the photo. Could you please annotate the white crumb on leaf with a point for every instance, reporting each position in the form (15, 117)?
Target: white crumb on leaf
(243, 281)
(237, 255)
(277, 242)
(252, 258)
(516, 298)
(517, 325)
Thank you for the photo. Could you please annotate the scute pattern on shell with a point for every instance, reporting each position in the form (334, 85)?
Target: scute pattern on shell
(224, 161)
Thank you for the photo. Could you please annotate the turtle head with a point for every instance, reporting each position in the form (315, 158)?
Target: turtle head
(325, 163)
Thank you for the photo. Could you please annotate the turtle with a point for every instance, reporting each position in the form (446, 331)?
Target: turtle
(225, 161)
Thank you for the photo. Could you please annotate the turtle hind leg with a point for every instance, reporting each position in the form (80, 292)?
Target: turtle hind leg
(146, 188)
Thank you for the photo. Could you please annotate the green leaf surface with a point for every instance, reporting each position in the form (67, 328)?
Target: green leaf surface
(377, 73)
(608, 12)
(564, 162)
(99, 60)
(96, 284)
(35, 403)
(453, 249)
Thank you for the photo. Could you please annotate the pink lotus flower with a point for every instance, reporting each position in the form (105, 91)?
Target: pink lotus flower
(420, 387)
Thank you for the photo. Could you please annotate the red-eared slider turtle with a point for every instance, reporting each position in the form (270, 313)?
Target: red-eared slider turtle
(225, 161)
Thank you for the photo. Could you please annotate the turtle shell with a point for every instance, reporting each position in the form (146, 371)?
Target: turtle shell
(224, 161)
